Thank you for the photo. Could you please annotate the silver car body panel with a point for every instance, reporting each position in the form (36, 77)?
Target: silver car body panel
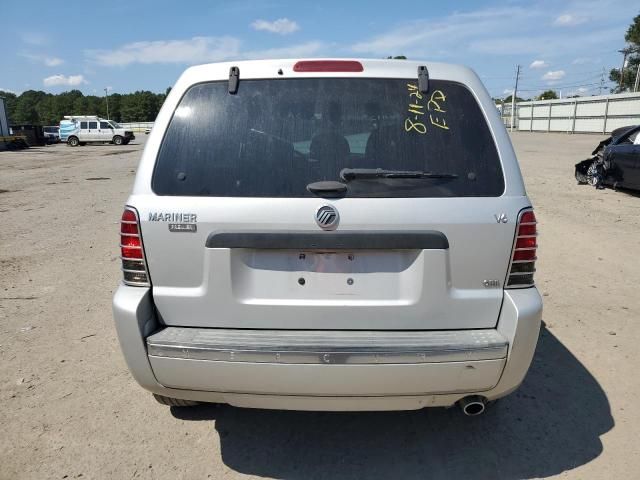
(358, 387)
(434, 300)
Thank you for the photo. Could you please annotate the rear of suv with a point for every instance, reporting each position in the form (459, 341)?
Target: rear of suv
(328, 235)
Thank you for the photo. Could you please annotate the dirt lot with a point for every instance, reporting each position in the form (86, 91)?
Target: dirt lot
(70, 408)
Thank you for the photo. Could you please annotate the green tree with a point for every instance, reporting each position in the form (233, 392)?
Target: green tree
(115, 102)
(547, 95)
(518, 99)
(632, 37)
(40, 108)
(26, 111)
(10, 103)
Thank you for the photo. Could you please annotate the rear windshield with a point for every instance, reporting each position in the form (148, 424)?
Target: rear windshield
(275, 137)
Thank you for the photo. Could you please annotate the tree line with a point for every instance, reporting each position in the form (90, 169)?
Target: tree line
(630, 68)
(35, 107)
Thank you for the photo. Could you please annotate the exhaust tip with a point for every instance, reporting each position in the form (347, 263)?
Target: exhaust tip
(473, 405)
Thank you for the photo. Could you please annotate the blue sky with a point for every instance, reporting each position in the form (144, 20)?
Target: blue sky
(145, 45)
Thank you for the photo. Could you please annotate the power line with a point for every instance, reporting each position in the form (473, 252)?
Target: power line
(582, 80)
(567, 85)
(591, 80)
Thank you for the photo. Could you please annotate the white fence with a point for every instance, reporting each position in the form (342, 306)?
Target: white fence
(137, 126)
(598, 114)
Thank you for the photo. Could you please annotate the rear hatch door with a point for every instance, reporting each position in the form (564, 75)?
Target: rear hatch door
(235, 239)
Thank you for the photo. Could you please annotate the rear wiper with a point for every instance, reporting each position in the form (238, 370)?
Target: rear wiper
(348, 174)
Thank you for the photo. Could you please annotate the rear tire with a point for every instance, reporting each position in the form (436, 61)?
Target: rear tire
(174, 402)
(73, 141)
(117, 140)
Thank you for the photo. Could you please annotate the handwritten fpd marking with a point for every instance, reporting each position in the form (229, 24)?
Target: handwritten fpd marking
(435, 104)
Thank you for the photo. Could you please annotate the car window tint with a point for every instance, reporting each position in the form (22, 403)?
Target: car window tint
(274, 137)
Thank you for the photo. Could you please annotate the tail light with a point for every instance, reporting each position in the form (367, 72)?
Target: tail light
(523, 257)
(134, 265)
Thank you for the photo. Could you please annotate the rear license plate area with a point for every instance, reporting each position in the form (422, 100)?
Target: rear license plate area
(326, 275)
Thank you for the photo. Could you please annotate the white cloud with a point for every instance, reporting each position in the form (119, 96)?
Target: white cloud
(282, 26)
(8, 90)
(294, 51)
(554, 75)
(569, 20)
(578, 91)
(538, 64)
(68, 81)
(46, 60)
(196, 50)
(507, 91)
(34, 38)
(191, 51)
(435, 37)
(587, 60)
(53, 61)
(507, 30)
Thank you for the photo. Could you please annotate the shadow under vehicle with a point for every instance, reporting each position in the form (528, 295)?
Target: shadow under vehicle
(615, 162)
(552, 424)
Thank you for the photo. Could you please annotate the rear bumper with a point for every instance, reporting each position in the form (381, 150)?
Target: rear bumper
(327, 370)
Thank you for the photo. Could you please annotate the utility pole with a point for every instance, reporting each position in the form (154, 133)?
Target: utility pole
(625, 52)
(106, 94)
(637, 82)
(513, 98)
(601, 82)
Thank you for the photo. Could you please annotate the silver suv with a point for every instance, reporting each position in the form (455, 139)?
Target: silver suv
(328, 235)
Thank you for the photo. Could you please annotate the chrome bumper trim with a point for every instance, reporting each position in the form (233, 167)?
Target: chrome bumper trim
(327, 347)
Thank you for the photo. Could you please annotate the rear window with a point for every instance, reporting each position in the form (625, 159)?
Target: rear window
(275, 137)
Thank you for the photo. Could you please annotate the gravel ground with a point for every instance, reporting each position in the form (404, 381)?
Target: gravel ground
(70, 409)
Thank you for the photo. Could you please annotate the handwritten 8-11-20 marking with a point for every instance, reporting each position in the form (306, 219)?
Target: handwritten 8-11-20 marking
(435, 107)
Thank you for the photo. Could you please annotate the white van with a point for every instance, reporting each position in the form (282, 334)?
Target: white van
(80, 130)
